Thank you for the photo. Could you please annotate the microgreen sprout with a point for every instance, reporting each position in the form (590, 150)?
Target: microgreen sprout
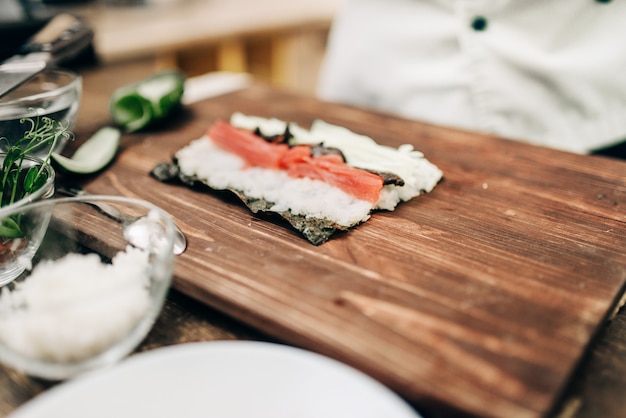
(15, 181)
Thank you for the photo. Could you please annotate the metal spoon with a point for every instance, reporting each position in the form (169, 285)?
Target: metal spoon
(180, 242)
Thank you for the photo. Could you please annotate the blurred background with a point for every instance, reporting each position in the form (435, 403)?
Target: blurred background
(277, 41)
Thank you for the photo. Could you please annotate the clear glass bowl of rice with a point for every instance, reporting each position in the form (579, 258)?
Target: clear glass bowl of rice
(92, 291)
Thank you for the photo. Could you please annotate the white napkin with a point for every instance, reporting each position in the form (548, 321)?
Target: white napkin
(213, 84)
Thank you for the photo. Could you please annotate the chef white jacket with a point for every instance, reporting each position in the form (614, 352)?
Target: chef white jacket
(549, 72)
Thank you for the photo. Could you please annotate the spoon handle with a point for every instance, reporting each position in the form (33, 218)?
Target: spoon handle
(180, 242)
(108, 210)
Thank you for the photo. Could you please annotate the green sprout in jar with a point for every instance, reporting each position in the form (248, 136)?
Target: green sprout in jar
(17, 181)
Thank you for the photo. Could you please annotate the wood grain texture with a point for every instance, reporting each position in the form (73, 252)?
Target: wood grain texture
(480, 297)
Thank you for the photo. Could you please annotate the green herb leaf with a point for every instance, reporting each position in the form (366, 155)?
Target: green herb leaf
(13, 154)
(9, 228)
(30, 179)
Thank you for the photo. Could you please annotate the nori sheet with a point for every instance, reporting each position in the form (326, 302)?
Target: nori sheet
(317, 231)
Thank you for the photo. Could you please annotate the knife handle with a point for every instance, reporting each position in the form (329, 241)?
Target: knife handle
(62, 38)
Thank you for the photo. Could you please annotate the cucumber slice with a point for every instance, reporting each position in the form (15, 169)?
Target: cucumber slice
(138, 105)
(95, 154)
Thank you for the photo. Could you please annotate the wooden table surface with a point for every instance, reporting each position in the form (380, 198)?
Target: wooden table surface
(595, 389)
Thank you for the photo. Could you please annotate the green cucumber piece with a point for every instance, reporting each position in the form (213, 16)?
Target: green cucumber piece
(92, 156)
(138, 105)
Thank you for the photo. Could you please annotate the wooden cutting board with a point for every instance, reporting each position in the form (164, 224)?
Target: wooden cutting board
(480, 297)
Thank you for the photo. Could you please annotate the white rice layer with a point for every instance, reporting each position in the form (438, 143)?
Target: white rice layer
(221, 170)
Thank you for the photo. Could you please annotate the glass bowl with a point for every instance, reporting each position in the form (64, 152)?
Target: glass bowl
(55, 93)
(15, 250)
(93, 290)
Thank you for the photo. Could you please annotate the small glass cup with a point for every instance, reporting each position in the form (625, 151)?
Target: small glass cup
(94, 290)
(55, 93)
(16, 253)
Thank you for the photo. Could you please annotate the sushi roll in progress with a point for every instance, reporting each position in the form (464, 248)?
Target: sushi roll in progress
(320, 180)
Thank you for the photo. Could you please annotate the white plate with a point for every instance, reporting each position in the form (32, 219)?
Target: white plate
(221, 379)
